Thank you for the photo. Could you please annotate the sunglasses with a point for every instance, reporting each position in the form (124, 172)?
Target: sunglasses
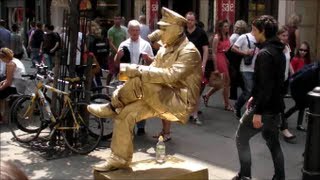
(304, 50)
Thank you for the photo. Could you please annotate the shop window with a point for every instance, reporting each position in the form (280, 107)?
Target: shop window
(256, 8)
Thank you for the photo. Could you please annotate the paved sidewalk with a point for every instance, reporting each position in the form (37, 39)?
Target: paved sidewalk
(212, 145)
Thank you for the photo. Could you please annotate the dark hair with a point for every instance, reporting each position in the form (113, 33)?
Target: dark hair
(220, 27)
(307, 57)
(33, 24)
(51, 27)
(2, 22)
(268, 24)
(14, 27)
(191, 14)
(39, 25)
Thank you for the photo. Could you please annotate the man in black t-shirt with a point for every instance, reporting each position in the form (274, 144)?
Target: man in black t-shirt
(50, 45)
(200, 39)
(35, 43)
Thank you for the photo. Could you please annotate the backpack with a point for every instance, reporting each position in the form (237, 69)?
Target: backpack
(304, 81)
(101, 51)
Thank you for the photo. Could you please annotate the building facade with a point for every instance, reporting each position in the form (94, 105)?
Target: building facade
(310, 24)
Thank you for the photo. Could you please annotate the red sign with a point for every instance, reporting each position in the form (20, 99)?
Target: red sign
(226, 10)
(152, 13)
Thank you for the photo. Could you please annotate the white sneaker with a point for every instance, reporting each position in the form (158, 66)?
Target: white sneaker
(197, 121)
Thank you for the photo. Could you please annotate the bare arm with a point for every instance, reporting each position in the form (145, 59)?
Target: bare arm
(9, 76)
(204, 57)
(214, 51)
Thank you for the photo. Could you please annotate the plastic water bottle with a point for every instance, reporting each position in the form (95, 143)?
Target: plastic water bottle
(160, 150)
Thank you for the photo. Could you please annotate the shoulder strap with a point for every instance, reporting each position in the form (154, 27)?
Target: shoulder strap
(249, 46)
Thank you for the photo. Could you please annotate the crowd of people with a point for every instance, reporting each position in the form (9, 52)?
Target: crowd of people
(269, 58)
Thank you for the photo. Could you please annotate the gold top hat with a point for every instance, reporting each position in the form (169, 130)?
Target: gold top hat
(170, 17)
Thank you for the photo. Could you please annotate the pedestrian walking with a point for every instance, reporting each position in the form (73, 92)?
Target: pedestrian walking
(200, 39)
(266, 102)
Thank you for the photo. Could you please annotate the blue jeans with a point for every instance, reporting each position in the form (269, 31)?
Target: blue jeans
(141, 124)
(246, 93)
(35, 56)
(48, 60)
(270, 133)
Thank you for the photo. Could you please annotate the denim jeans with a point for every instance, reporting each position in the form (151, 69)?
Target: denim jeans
(35, 56)
(141, 124)
(245, 95)
(270, 133)
(48, 60)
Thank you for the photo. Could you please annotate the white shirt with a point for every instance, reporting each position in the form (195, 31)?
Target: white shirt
(242, 43)
(78, 56)
(136, 48)
(286, 52)
(233, 38)
(2, 68)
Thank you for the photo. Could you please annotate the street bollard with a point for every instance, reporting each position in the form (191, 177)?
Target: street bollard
(311, 165)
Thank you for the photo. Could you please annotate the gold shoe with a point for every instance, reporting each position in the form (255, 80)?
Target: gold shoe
(101, 110)
(113, 163)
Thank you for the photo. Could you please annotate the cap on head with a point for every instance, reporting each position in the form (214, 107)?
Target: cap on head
(170, 17)
(6, 53)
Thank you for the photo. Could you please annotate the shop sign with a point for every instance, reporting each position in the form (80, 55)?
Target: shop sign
(226, 10)
(152, 13)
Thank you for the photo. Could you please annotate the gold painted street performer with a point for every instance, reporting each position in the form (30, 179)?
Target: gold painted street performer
(168, 88)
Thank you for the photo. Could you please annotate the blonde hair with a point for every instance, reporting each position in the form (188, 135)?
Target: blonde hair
(294, 20)
(95, 29)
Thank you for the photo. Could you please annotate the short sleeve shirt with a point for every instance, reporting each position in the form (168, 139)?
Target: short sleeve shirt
(117, 35)
(242, 43)
(137, 47)
(199, 38)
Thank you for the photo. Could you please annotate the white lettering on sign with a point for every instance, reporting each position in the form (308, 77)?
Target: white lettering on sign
(227, 7)
(154, 7)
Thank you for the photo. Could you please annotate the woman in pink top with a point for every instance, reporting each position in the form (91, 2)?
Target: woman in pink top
(302, 57)
(220, 45)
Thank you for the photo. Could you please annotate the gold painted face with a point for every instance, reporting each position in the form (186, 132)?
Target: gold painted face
(170, 33)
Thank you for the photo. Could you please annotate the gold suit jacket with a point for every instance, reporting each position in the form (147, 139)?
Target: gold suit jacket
(177, 69)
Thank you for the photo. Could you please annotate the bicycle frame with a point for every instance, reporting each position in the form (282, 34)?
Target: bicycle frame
(67, 105)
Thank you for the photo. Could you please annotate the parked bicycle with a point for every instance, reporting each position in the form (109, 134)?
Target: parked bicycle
(32, 114)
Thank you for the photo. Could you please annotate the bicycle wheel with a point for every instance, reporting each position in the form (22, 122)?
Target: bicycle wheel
(107, 122)
(80, 140)
(25, 119)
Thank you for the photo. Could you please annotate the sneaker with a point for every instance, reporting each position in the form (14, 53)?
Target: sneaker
(197, 121)
(237, 177)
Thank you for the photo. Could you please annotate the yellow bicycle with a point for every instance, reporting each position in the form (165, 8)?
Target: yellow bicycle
(32, 115)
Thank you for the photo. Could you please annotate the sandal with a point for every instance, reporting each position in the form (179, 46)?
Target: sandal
(166, 136)
(228, 108)
(205, 100)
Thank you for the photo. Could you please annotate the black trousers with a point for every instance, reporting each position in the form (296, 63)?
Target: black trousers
(270, 133)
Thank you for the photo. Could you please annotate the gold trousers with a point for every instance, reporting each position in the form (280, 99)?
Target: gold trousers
(137, 101)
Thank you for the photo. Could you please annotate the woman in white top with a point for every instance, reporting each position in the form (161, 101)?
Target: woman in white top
(283, 35)
(14, 71)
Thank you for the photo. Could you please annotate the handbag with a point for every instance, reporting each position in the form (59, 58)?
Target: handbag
(247, 60)
(216, 80)
(232, 56)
